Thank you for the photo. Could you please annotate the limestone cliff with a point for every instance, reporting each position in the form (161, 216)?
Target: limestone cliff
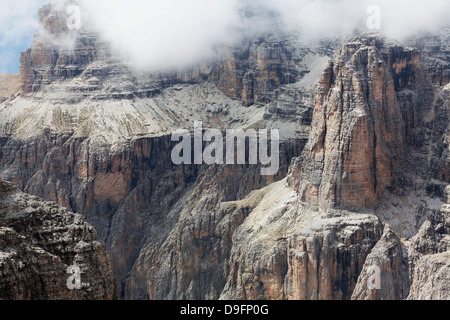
(435, 50)
(362, 124)
(9, 86)
(39, 241)
(93, 135)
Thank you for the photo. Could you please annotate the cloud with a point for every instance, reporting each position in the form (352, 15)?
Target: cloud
(404, 18)
(161, 34)
(17, 24)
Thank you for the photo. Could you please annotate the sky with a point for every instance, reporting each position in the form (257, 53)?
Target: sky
(176, 33)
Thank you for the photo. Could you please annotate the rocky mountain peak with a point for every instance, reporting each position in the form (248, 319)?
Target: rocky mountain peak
(39, 241)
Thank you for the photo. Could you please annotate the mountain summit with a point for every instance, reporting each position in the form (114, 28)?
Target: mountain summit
(364, 171)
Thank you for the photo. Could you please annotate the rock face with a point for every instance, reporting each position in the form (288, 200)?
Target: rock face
(253, 71)
(415, 269)
(370, 134)
(39, 241)
(9, 86)
(429, 256)
(364, 167)
(388, 255)
(443, 161)
(118, 173)
(430, 278)
(50, 57)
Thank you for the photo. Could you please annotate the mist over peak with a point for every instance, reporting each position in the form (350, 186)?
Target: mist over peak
(356, 95)
(159, 35)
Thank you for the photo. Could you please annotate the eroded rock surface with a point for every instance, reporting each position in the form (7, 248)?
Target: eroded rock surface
(39, 241)
(368, 189)
(9, 86)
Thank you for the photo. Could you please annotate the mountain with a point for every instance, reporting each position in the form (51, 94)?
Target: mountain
(9, 85)
(39, 241)
(364, 163)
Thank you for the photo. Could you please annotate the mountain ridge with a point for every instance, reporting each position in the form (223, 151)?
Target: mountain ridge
(363, 179)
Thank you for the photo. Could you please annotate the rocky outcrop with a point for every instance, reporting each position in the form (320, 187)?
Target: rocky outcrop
(296, 256)
(430, 259)
(39, 241)
(394, 280)
(252, 71)
(57, 52)
(415, 268)
(431, 279)
(361, 124)
(435, 50)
